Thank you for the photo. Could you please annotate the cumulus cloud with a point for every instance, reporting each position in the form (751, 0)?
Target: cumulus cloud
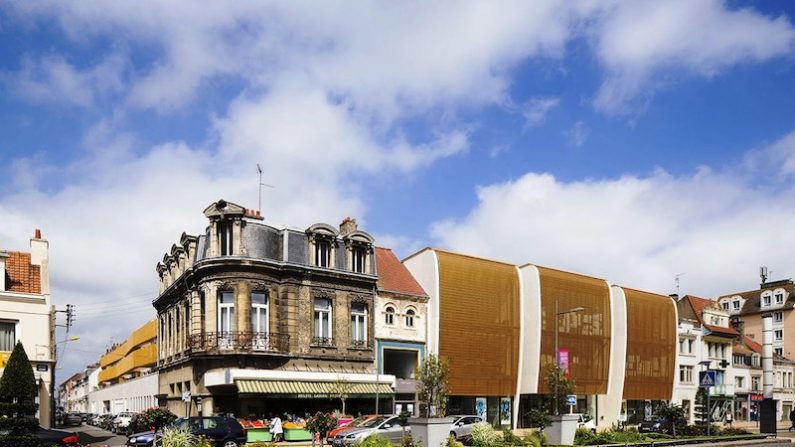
(535, 110)
(638, 230)
(644, 44)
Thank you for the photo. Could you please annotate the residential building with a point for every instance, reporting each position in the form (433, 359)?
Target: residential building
(400, 327)
(496, 323)
(255, 318)
(688, 360)
(716, 340)
(126, 380)
(27, 315)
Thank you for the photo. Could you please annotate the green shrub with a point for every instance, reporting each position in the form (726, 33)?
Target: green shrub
(177, 437)
(483, 435)
(510, 439)
(152, 419)
(321, 423)
(375, 441)
(734, 431)
(451, 442)
(538, 419)
(535, 439)
(584, 436)
(697, 430)
(204, 441)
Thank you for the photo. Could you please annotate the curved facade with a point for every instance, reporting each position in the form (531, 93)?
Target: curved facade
(135, 355)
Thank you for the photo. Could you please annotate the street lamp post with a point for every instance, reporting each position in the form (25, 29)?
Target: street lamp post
(52, 379)
(557, 356)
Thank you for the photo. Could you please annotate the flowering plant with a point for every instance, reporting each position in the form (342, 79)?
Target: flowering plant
(321, 424)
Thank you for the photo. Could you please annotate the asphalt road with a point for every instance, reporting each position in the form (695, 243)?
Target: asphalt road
(97, 437)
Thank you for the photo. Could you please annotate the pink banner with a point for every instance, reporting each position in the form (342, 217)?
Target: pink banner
(563, 361)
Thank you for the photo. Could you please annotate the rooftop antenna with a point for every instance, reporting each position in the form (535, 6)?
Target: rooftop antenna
(259, 188)
(763, 273)
(676, 280)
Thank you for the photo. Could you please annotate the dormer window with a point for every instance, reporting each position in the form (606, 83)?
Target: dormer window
(779, 298)
(358, 259)
(322, 253)
(766, 301)
(725, 305)
(225, 238)
(736, 305)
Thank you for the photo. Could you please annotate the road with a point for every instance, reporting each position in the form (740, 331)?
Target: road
(97, 436)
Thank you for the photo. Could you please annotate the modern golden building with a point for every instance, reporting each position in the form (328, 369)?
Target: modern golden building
(495, 323)
(134, 357)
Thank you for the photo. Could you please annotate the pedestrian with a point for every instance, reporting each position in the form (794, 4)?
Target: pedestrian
(791, 420)
(276, 429)
(729, 418)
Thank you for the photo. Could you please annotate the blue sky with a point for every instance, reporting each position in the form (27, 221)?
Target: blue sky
(629, 140)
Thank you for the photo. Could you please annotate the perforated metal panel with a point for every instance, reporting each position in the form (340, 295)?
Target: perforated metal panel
(651, 346)
(586, 334)
(479, 324)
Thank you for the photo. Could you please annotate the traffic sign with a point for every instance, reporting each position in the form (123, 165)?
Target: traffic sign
(571, 399)
(706, 379)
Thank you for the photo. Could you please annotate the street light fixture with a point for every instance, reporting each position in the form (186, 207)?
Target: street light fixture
(557, 355)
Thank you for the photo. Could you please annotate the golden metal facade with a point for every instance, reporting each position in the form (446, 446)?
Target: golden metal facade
(479, 324)
(651, 346)
(586, 334)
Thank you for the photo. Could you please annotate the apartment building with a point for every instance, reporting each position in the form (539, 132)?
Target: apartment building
(255, 318)
(690, 355)
(27, 315)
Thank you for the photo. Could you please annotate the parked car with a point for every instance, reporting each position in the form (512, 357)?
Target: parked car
(586, 421)
(106, 422)
(72, 420)
(659, 425)
(121, 423)
(386, 426)
(95, 421)
(224, 431)
(57, 438)
(462, 426)
(352, 424)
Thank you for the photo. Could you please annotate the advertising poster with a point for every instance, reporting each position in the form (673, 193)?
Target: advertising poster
(480, 408)
(505, 411)
(563, 361)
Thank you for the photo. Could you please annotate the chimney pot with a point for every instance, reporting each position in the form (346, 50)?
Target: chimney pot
(37, 234)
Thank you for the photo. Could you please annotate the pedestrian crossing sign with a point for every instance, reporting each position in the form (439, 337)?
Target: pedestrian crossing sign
(706, 379)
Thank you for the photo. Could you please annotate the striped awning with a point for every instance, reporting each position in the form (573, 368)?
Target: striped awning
(309, 389)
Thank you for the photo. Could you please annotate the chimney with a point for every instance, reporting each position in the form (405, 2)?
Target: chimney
(39, 255)
(3, 257)
(348, 226)
(674, 296)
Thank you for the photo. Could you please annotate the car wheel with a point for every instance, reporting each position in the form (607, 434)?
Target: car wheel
(230, 443)
(452, 433)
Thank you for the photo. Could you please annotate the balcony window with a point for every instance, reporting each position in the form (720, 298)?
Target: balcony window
(322, 253)
(410, 318)
(359, 257)
(359, 324)
(8, 336)
(389, 316)
(226, 312)
(225, 238)
(322, 321)
(259, 312)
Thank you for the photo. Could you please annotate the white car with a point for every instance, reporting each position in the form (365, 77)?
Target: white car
(121, 423)
(462, 426)
(586, 421)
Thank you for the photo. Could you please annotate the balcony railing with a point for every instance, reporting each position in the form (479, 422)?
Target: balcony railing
(253, 342)
(322, 342)
(360, 344)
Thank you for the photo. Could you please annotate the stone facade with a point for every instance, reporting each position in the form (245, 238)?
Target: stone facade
(207, 311)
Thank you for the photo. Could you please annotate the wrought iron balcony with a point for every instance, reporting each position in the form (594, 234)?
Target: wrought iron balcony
(247, 342)
(322, 342)
(360, 344)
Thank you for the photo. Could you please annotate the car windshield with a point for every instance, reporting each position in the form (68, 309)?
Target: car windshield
(374, 422)
(179, 423)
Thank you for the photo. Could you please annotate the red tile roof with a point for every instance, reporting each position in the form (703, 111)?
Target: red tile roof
(752, 345)
(393, 276)
(21, 275)
(698, 305)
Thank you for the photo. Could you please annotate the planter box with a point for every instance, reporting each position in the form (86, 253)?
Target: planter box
(297, 434)
(430, 432)
(258, 434)
(562, 430)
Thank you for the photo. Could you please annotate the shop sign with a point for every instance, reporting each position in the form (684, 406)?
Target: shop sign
(757, 397)
(41, 367)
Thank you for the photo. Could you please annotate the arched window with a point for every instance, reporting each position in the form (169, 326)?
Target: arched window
(389, 316)
(410, 318)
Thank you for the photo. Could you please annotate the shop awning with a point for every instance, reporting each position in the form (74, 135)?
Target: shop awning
(309, 389)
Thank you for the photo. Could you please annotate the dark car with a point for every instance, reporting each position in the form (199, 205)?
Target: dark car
(72, 419)
(224, 431)
(57, 438)
(659, 425)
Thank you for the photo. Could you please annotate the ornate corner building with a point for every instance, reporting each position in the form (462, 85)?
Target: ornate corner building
(248, 310)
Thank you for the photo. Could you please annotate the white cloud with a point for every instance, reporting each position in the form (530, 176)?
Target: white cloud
(642, 44)
(639, 231)
(52, 79)
(578, 134)
(535, 110)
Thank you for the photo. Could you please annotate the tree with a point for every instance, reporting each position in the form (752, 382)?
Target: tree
(558, 385)
(320, 424)
(672, 413)
(341, 389)
(432, 387)
(18, 391)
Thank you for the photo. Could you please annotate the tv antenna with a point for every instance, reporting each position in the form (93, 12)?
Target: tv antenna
(259, 189)
(676, 280)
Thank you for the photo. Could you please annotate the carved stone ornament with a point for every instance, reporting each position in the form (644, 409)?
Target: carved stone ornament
(323, 293)
(359, 299)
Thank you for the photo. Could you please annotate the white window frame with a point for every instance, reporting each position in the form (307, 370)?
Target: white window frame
(226, 312)
(725, 305)
(778, 317)
(358, 259)
(778, 351)
(736, 305)
(685, 374)
(359, 324)
(323, 261)
(258, 310)
(15, 338)
(767, 300)
(225, 239)
(756, 382)
(779, 298)
(389, 316)
(778, 334)
(411, 315)
(323, 316)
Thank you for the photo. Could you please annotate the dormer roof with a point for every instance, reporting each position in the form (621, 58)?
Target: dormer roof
(222, 209)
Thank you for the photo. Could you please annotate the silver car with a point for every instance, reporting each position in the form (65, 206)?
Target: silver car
(462, 426)
(386, 426)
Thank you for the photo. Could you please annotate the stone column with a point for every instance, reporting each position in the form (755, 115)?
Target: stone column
(243, 305)
(211, 309)
(237, 239)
